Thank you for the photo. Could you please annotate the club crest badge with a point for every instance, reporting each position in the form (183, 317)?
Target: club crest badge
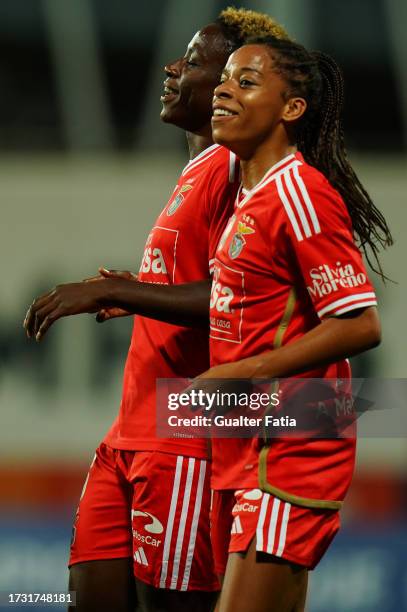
(178, 199)
(238, 240)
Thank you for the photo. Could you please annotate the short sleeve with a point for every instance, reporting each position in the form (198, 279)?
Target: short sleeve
(320, 237)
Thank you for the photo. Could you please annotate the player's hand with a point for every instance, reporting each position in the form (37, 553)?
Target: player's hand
(63, 301)
(106, 273)
(112, 313)
(225, 370)
(223, 379)
(207, 382)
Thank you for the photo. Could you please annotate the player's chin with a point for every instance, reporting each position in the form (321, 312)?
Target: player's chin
(222, 135)
(172, 115)
(166, 114)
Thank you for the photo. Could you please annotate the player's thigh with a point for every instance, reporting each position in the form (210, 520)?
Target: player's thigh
(102, 537)
(152, 599)
(271, 538)
(170, 521)
(262, 583)
(222, 524)
(103, 585)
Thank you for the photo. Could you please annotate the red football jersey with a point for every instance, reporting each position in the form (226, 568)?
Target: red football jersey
(286, 260)
(180, 248)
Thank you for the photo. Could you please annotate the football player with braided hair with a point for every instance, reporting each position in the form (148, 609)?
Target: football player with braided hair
(300, 303)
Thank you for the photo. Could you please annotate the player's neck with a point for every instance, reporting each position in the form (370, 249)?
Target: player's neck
(197, 144)
(254, 168)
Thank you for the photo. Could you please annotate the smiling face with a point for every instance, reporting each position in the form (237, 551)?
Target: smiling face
(188, 88)
(250, 105)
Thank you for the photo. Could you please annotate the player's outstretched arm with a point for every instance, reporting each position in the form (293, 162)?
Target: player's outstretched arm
(186, 304)
(112, 313)
(334, 339)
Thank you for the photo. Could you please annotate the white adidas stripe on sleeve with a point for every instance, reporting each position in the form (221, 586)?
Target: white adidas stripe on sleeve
(297, 203)
(348, 303)
(288, 209)
(307, 200)
(355, 306)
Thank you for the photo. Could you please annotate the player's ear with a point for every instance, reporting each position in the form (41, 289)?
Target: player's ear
(294, 109)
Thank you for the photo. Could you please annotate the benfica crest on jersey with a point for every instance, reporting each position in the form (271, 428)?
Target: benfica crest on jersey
(178, 199)
(238, 240)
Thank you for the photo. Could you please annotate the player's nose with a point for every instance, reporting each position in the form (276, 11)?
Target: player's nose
(172, 69)
(223, 91)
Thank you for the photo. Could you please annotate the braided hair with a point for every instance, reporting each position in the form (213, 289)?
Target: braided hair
(319, 136)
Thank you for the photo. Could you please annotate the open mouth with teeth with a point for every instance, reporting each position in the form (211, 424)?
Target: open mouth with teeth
(169, 94)
(221, 113)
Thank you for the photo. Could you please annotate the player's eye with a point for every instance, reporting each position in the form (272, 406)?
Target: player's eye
(246, 83)
(191, 62)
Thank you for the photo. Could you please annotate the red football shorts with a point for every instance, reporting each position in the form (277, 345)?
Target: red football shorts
(299, 535)
(153, 507)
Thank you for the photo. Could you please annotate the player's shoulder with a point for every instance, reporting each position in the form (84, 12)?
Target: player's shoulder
(318, 186)
(214, 162)
(309, 199)
(313, 178)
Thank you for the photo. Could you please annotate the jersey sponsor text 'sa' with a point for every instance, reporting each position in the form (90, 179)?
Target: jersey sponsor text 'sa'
(286, 261)
(179, 249)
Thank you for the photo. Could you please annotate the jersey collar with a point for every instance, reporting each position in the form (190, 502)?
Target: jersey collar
(278, 167)
(202, 154)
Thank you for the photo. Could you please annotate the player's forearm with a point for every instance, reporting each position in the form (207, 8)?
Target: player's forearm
(331, 341)
(186, 304)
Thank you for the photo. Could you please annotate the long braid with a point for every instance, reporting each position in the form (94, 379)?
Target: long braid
(330, 157)
(316, 77)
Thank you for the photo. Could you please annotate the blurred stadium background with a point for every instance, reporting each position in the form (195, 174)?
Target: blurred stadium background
(85, 167)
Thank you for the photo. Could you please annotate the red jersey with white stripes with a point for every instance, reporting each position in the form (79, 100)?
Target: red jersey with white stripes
(286, 261)
(179, 249)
